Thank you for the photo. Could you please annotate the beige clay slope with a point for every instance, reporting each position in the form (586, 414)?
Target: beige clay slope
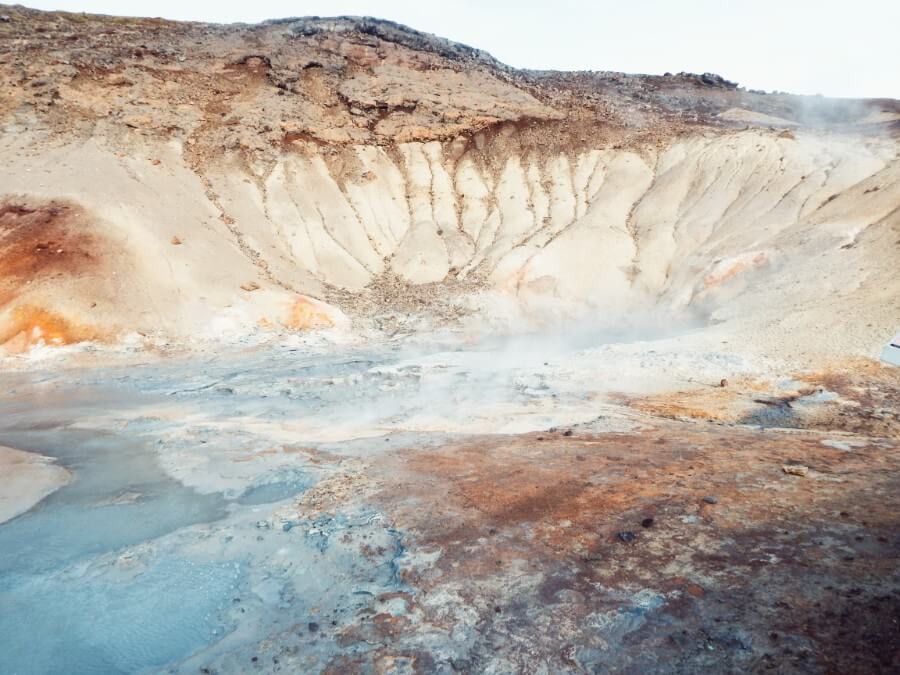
(27, 479)
(187, 181)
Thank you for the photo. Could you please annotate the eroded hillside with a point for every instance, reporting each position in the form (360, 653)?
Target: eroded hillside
(181, 180)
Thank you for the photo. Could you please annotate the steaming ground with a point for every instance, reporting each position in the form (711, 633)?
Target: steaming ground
(328, 504)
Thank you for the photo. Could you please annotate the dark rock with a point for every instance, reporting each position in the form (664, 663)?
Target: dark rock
(312, 626)
(567, 432)
(713, 80)
(647, 522)
(710, 499)
(627, 537)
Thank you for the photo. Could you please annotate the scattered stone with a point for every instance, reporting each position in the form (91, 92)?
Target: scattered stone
(723, 383)
(312, 626)
(287, 526)
(795, 469)
(709, 499)
(250, 286)
(647, 522)
(627, 537)
(567, 432)
(695, 590)
(176, 241)
(262, 524)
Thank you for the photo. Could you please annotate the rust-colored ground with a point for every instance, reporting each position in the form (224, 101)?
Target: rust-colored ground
(28, 326)
(307, 313)
(681, 547)
(856, 395)
(42, 242)
(47, 239)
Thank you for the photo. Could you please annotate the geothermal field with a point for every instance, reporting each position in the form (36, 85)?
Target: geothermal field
(329, 346)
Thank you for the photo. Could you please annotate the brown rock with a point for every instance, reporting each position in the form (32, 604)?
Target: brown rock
(795, 469)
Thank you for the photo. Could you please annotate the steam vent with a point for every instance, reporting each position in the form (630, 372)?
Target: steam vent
(330, 346)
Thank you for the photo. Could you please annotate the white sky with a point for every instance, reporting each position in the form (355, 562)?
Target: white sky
(833, 47)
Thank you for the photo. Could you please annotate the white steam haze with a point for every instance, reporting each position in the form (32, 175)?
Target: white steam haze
(830, 47)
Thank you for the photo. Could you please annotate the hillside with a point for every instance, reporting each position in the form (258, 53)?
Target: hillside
(180, 180)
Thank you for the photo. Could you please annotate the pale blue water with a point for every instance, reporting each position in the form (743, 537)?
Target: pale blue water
(57, 613)
(65, 623)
